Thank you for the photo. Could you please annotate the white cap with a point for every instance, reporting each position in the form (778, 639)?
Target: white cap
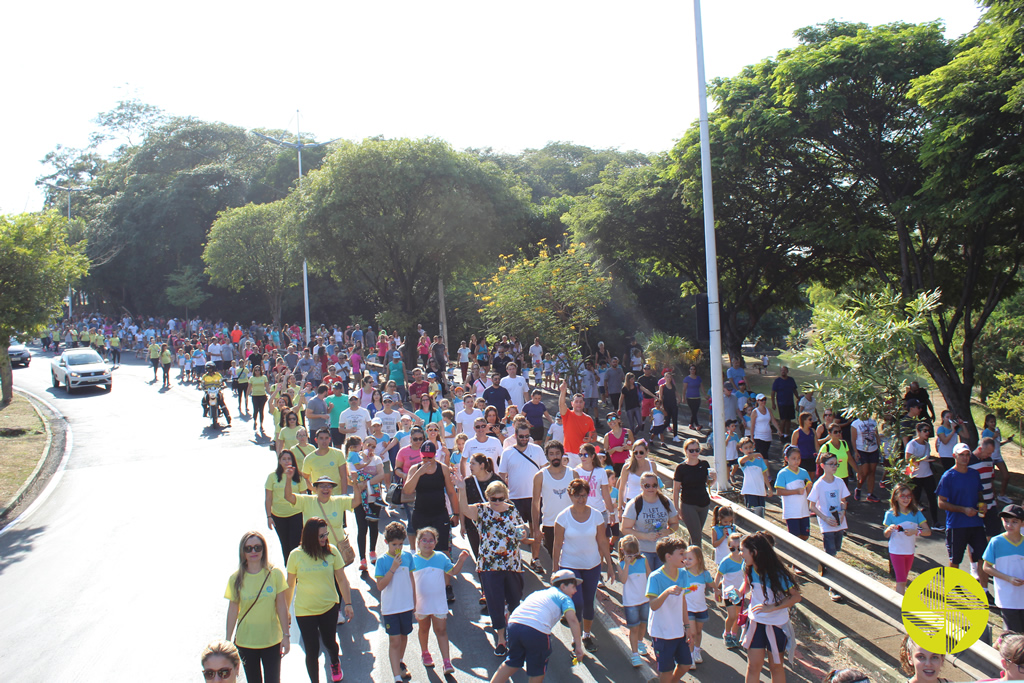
(961, 448)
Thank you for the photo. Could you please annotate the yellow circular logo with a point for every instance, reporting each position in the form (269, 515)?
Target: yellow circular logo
(945, 610)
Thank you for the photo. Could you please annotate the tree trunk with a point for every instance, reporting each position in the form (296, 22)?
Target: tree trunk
(6, 376)
(956, 394)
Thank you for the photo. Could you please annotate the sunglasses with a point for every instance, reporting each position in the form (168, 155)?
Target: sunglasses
(650, 486)
(522, 436)
(479, 426)
(253, 548)
(693, 450)
(828, 414)
(640, 452)
(497, 500)
(222, 674)
(416, 439)
(324, 537)
(835, 431)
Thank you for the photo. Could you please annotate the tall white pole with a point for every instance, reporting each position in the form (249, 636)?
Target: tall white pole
(305, 270)
(443, 318)
(711, 257)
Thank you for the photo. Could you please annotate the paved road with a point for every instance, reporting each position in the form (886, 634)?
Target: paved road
(120, 573)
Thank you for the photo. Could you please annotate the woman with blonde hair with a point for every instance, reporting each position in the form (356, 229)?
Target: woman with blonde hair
(220, 661)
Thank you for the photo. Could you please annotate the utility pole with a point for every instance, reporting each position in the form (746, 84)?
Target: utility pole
(298, 147)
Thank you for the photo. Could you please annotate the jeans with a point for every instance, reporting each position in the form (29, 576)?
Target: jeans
(262, 665)
(833, 541)
(313, 628)
(694, 517)
(584, 596)
(501, 588)
(633, 420)
(653, 561)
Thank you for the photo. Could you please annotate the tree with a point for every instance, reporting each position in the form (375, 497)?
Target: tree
(37, 265)
(246, 249)
(185, 288)
(865, 346)
(554, 296)
(399, 214)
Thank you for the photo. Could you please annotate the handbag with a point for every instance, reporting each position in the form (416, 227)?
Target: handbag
(259, 594)
(348, 554)
(394, 494)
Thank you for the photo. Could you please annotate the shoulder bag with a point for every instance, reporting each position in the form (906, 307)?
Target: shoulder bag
(348, 555)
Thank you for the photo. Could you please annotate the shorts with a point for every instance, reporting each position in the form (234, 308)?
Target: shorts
(787, 412)
(760, 639)
(752, 501)
(997, 456)
(699, 617)
(800, 526)
(525, 508)
(868, 457)
(671, 652)
(730, 603)
(959, 538)
(440, 522)
(636, 614)
(398, 624)
(421, 617)
(537, 433)
(528, 647)
(646, 406)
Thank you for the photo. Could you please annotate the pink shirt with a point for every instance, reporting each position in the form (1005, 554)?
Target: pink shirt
(407, 457)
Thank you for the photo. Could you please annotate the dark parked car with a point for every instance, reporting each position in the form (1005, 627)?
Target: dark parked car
(19, 353)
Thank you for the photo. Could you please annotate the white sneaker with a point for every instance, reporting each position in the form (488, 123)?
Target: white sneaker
(676, 438)
(1005, 499)
(697, 659)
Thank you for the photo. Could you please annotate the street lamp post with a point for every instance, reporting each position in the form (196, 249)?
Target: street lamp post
(298, 147)
(69, 190)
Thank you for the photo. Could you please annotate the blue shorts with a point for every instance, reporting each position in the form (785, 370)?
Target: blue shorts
(636, 614)
(398, 624)
(699, 617)
(671, 652)
(528, 646)
(760, 640)
(800, 526)
(752, 501)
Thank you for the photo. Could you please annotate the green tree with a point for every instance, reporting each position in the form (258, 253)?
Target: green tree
(399, 214)
(36, 267)
(246, 249)
(1009, 398)
(555, 296)
(186, 288)
(865, 347)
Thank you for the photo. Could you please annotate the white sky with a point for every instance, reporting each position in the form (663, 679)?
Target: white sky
(478, 74)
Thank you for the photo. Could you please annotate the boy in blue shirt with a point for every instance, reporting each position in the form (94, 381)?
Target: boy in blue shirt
(669, 624)
(1004, 562)
(393, 574)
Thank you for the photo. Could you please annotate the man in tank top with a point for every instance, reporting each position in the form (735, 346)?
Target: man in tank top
(550, 495)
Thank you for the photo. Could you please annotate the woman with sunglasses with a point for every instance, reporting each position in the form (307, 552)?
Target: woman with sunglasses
(220, 661)
(690, 490)
(282, 517)
(581, 546)
(435, 435)
(258, 611)
(650, 516)
(288, 436)
(617, 442)
(635, 467)
(474, 487)
(316, 572)
(499, 564)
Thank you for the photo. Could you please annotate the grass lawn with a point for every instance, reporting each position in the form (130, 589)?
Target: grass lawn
(19, 452)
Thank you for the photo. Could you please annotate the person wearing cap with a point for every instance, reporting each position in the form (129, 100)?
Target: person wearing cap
(397, 373)
(1004, 562)
(761, 421)
(959, 494)
(908, 425)
(431, 481)
(530, 624)
(915, 392)
(355, 420)
(322, 504)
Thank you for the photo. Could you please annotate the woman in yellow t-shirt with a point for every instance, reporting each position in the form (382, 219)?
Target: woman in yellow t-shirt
(258, 392)
(313, 570)
(282, 517)
(287, 437)
(258, 608)
(165, 362)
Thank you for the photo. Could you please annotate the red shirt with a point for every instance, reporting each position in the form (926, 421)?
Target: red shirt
(574, 429)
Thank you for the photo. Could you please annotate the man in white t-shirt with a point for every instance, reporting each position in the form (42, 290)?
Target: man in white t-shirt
(488, 445)
(865, 431)
(354, 421)
(536, 351)
(516, 386)
(519, 464)
(465, 418)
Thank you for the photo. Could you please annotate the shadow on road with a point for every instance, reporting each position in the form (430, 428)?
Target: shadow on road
(16, 544)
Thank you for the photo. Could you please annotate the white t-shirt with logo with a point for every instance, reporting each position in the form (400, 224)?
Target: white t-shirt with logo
(355, 419)
(867, 434)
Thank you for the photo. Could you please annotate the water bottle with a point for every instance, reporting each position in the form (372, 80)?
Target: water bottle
(732, 596)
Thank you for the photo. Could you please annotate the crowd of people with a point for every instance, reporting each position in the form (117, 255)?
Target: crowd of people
(464, 442)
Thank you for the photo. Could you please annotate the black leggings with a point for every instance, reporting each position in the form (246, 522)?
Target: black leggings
(694, 404)
(289, 531)
(313, 628)
(926, 486)
(115, 355)
(672, 417)
(167, 372)
(257, 407)
(364, 527)
(262, 665)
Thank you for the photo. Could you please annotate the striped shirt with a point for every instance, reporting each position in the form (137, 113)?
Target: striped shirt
(984, 468)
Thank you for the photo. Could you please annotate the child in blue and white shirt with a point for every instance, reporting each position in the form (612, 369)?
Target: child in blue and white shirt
(633, 573)
(700, 583)
(792, 484)
(393, 574)
(755, 477)
(428, 571)
(1004, 561)
(728, 585)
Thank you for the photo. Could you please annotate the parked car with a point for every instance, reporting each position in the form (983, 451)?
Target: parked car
(80, 368)
(19, 353)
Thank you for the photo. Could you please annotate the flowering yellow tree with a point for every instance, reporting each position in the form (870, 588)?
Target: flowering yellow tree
(554, 296)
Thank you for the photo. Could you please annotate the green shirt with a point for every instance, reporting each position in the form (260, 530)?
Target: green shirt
(337, 404)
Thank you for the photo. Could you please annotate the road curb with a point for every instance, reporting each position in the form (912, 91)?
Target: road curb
(647, 673)
(881, 671)
(47, 458)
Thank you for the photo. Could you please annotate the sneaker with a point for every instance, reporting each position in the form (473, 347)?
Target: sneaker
(448, 668)
(483, 600)
(856, 494)
(449, 593)
(428, 661)
(373, 556)
(938, 528)
(362, 565)
(697, 659)
(1005, 499)
(500, 650)
(872, 498)
(635, 660)
(369, 518)
(405, 671)
(590, 644)
(834, 597)
(336, 673)
(641, 647)
(676, 438)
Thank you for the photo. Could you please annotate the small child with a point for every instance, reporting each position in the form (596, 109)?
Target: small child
(722, 527)
(448, 425)
(605, 462)
(182, 359)
(555, 431)
(827, 502)
(633, 573)
(428, 570)
(700, 582)
(728, 583)
(669, 622)
(658, 425)
(393, 573)
(537, 372)
(732, 442)
(1004, 563)
(902, 525)
(549, 371)
(456, 461)
(755, 477)
(793, 483)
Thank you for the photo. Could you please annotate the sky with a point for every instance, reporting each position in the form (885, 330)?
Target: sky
(509, 77)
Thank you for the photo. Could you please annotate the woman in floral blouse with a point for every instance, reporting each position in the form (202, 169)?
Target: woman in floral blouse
(498, 565)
